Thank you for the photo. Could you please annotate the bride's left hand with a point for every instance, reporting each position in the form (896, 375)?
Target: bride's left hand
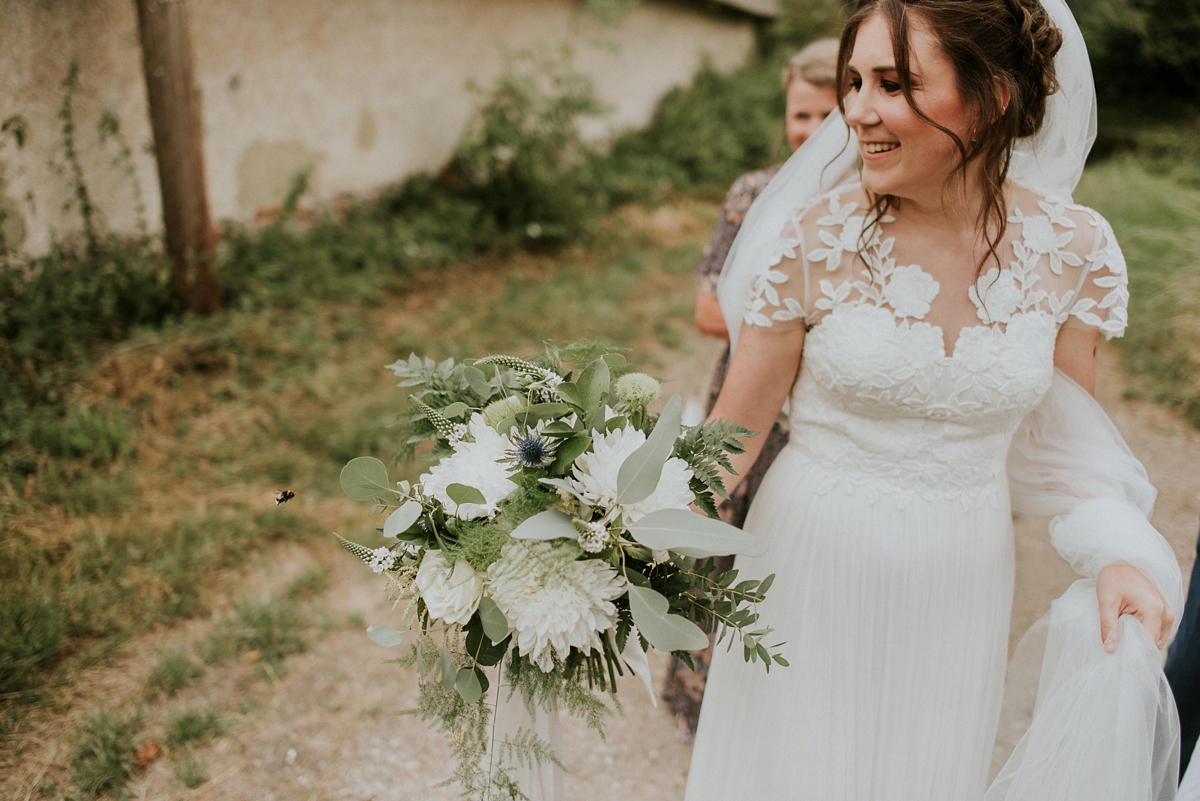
(1123, 590)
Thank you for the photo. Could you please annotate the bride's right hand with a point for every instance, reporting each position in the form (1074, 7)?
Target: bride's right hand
(1122, 589)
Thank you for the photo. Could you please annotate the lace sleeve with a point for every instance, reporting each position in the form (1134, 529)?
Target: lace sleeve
(780, 296)
(1101, 297)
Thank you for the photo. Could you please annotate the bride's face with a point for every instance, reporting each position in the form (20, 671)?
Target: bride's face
(903, 155)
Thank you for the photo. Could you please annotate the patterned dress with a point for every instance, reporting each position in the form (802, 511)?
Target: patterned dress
(684, 687)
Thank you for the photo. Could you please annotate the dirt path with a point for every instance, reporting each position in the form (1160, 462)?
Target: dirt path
(327, 730)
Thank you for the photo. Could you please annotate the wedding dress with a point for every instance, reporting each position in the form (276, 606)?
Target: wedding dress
(887, 519)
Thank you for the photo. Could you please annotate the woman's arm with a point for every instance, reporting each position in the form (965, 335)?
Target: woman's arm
(709, 319)
(1121, 589)
(761, 375)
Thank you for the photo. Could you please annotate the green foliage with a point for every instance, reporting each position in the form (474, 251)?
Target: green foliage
(103, 757)
(801, 21)
(173, 671)
(706, 449)
(704, 136)
(1145, 53)
(1156, 221)
(87, 209)
(522, 162)
(190, 725)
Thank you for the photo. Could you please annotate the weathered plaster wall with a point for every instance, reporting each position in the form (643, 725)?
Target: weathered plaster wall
(362, 91)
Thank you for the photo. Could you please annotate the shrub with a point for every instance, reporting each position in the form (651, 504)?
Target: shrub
(704, 136)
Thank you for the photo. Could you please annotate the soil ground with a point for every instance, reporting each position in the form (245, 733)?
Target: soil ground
(328, 729)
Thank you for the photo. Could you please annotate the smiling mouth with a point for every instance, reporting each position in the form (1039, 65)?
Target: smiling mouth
(880, 147)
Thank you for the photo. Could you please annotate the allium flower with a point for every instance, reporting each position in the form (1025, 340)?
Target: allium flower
(449, 595)
(476, 464)
(637, 389)
(593, 536)
(554, 601)
(497, 412)
(530, 448)
(593, 478)
(381, 559)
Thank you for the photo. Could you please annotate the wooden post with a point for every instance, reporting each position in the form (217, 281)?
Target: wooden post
(179, 151)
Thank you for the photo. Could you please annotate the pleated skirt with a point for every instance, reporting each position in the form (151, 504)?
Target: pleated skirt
(894, 610)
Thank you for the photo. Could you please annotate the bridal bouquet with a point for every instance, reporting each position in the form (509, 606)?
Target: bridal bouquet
(551, 543)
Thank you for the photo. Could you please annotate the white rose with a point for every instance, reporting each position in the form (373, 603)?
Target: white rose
(452, 596)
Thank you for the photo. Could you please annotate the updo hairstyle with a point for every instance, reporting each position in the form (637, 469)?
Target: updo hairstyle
(1011, 42)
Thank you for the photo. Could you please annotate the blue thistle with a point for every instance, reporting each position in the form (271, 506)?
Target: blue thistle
(531, 449)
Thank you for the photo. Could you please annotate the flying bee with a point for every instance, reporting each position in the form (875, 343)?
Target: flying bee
(283, 497)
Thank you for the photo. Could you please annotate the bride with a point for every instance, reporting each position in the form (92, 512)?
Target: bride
(933, 323)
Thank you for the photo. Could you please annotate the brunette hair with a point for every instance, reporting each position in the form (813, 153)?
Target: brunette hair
(1011, 42)
(817, 64)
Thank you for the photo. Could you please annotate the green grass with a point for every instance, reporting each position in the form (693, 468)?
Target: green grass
(191, 725)
(190, 771)
(103, 758)
(173, 671)
(271, 627)
(1156, 219)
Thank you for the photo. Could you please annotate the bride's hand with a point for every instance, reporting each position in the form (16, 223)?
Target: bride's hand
(1123, 590)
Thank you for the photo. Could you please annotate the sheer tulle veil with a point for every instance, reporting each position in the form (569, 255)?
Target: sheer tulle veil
(1104, 727)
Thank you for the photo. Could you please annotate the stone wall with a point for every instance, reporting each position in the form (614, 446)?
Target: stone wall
(363, 91)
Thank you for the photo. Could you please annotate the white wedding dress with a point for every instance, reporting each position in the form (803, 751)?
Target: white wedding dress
(887, 521)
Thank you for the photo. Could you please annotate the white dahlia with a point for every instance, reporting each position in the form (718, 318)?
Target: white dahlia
(475, 464)
(593, 478)
(553, 601)
(450, 595)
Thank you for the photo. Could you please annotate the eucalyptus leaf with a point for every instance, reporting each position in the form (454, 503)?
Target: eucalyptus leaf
(477, 381)
(614, 360)
(570, 393)
(449, 674)
(402, 519)
(461, 493)
(691, 534)
(639, 474)
(664, 631)
(386, 636)
(559, 428)
(470, 684)
(495, 625)
(548, 525)
(531, 415)
(365, 478)
(568, 451)
(593, 383)
(456, 410)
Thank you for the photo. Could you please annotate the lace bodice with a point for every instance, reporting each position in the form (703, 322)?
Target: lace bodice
(879, 400)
